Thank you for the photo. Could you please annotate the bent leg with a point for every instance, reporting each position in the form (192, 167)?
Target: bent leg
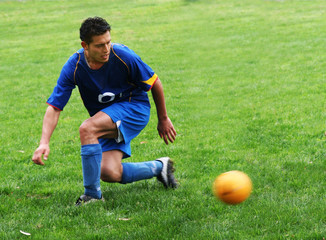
(91, 151)
(102, 126)
(112, 170)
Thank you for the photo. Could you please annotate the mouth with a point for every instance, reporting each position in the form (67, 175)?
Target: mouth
(106, 56)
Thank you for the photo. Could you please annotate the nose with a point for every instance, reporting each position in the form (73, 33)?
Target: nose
(107, 47)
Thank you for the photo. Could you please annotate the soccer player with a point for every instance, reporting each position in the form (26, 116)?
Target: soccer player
(113, 82)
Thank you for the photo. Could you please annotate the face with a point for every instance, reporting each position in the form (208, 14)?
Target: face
(99, 49)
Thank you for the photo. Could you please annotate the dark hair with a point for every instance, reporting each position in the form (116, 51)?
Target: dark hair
(93, 26)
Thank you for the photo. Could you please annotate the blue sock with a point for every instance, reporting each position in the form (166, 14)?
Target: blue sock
(91, 161)
(133, 172)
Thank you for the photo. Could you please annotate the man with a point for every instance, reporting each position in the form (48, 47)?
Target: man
(112, 81)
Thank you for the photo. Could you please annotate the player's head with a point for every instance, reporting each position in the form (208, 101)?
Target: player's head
(93, 26)
(96, 39)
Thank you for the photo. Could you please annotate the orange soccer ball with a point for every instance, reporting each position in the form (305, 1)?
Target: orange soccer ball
(232, 187)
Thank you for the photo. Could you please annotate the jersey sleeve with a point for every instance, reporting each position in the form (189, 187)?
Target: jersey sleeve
(65, 84)
(143, 76)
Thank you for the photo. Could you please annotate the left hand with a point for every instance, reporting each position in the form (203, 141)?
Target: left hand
(166, 130)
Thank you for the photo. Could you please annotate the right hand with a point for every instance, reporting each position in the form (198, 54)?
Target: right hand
(42, 151)
(166, 130)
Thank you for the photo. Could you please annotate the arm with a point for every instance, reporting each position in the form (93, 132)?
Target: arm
(50, 121)
(165, 127)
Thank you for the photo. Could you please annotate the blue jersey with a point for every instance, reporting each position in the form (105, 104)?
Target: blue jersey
(125, 77)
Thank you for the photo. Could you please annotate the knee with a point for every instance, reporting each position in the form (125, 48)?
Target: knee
(111, 175)
(85, 129)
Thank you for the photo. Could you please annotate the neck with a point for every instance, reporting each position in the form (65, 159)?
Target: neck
(92, 64)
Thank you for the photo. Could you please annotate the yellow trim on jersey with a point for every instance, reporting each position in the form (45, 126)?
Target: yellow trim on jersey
(120, 58)
(151, 80)
(76, 68)
(123, 63)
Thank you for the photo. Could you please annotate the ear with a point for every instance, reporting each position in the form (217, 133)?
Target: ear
(84, 45)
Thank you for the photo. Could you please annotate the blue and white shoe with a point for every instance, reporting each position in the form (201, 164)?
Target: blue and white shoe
(166, 176)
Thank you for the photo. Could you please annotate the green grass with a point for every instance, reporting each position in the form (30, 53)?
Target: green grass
(245, 87)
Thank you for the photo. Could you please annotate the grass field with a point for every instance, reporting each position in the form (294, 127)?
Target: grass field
(245, 88)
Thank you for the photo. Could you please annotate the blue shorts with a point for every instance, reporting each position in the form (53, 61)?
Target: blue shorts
(131, 118)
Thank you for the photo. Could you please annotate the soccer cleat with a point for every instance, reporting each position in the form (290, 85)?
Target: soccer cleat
(166, 176)
(84, 199)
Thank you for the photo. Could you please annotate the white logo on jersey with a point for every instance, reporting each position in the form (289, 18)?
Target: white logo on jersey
(106, 97)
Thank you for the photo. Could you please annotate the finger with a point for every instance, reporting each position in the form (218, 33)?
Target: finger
(46, 154)
(165, 139)
(37, 158)
(171, 138)
(38, 161)
(174, 132)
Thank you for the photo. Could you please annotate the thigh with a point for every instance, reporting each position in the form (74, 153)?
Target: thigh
(130, 118)
(102, 125)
